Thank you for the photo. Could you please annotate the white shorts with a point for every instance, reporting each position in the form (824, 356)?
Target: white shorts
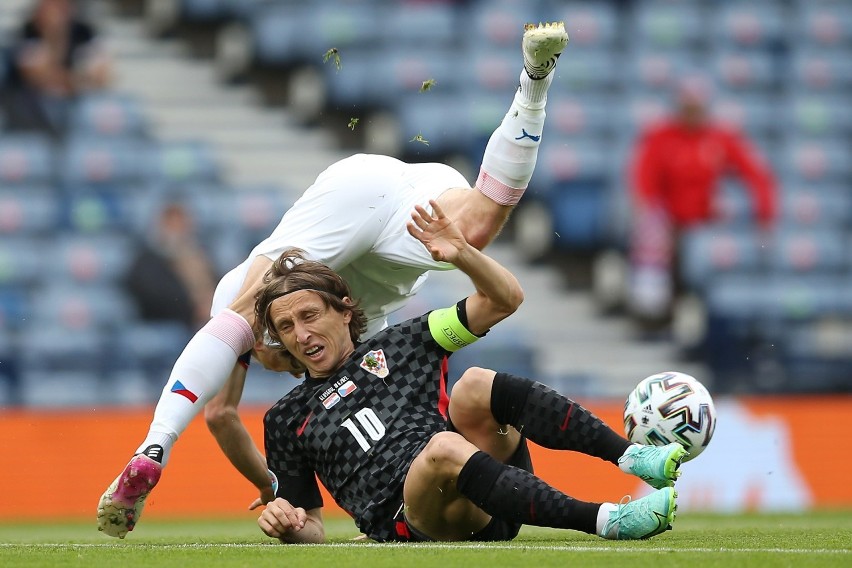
(353, 218)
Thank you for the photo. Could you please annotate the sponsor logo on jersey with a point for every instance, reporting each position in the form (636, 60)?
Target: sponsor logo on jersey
(178, 388)
(374, 362)
(346, 388)
(331, 400)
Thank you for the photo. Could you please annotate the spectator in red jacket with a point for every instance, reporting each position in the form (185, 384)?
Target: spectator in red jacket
(675, 172)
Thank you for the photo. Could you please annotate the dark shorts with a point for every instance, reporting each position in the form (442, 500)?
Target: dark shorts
(497, 529)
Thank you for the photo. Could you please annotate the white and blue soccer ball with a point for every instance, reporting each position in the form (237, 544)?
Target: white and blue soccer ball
(670, 407)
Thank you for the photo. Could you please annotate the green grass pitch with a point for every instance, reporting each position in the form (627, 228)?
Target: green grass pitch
(814, 539)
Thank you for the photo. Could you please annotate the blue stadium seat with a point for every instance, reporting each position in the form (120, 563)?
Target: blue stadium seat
(22, 260)
(87, 210)
(668, 25)
(61, 388)
(741, 70)
(586, 69)
(639, 110)
(824, 159)
(91, 259)
(749, 24)
(15, 308)
(26, 159)
(816, 206)
(104, 162)
(148, 347)
(28, 211)
(658, 71)
(359, 83)
(568, 159)
(827, 70)
(585, 115)
(502, 349)
(500, 22)
(808, 250)
(492, 70)
(406, 25)
(72, 308)
(709, 251)
(824, 23)
(184, 161)
(109, 114)
(441, 119)
(280, 37)
(816, 114)
(594, 23)
(754, 113)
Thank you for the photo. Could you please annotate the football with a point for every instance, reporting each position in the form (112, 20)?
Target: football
(670, 407)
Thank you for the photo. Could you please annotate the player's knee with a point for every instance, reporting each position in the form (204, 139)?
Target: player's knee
(472, 393)
(446, 453)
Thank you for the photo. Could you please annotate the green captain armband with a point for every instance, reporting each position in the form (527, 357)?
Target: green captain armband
(448, 330)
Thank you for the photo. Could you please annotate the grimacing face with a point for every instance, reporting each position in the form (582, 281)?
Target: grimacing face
(315, 334)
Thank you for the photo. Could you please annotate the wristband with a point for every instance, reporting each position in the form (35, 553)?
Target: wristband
(274, 480)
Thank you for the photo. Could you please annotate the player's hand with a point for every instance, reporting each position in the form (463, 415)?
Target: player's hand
(441, 237)
(266, 495)
(280, 518)
(278, 359)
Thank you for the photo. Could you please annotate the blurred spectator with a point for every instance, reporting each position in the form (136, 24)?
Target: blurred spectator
(55, 57)
(171, 277)
(675, 171)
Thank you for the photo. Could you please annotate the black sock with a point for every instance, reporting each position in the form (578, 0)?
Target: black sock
(513, 494)
(155, 452)
(551, 420)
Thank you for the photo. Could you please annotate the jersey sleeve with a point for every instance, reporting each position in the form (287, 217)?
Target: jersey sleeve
(447, 329)
(297, 482)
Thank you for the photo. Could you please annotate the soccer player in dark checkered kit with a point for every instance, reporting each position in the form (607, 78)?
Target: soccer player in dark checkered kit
(372, 419)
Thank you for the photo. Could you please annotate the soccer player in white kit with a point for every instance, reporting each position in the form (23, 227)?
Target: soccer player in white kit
(353, 219)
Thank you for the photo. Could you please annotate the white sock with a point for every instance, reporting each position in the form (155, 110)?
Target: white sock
(510, 156)
(533, 92)
(603, 517)
(198, 374)
(624, 464)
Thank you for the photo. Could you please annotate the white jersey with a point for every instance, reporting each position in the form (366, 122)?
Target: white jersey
(353, 219)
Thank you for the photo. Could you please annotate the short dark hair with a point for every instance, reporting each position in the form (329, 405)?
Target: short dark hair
(292, 272)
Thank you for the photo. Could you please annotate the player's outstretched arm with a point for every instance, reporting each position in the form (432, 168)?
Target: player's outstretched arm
(498, 292)
(223, 421)
(292, 525)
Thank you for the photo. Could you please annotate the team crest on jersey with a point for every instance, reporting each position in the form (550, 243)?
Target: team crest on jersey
(374, 362)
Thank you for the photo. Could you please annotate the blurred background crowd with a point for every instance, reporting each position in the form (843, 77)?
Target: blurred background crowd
(691, 207)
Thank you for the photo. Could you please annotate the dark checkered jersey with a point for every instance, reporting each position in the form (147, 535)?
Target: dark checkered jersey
(360, 429)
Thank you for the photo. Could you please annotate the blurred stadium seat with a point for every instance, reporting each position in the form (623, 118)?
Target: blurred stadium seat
(819, 206)
(28, 211)
(709, 251)
(108, 115)
(825, 23)
(756, 24)
(740, 70)
(184, 161)
(824, 159)
(103, 162)
(668, 25)
(808, 250)
(26, 159)
(594, 23)
(828, 70)
(91, 259)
